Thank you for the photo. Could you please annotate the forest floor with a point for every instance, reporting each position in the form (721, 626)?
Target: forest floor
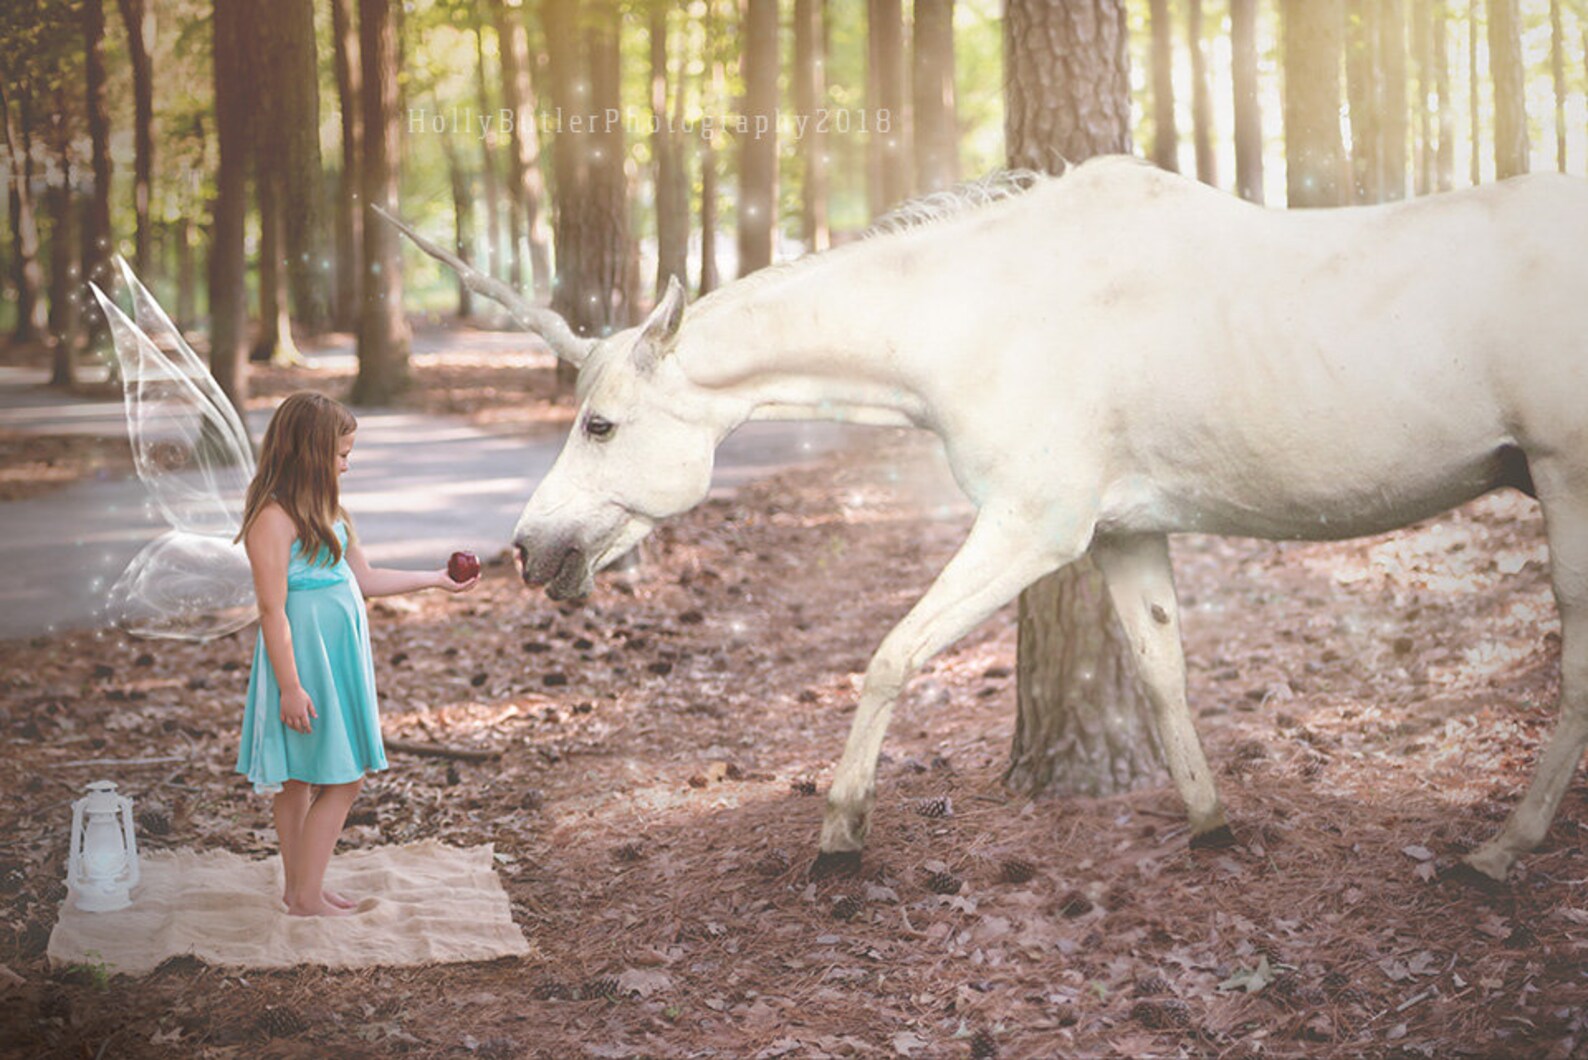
(1372, 709)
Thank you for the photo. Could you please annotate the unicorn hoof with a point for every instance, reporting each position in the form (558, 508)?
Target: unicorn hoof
(835, 863)
(1213, 839)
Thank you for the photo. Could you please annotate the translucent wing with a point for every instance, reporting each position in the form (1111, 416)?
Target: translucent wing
(192, 453)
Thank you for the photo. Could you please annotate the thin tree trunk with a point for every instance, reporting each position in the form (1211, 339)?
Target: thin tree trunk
(758, 149)
(1362, 95)
(228, 295)
(710, 274)
(1557, 69)
(1445, 162)
(383, 335)
(140, 35)
(1510, 102)
(885, 124)
(349, 210)
(1312, 31)
(1165, 135)
(96, 230)
(810, 98)
(275, 344)
(291, 46)
(1248, 109)
(64, 247)
(1082, 722)
(186, 282)
(495, 260)
(672, 194)
(1422, 50)
(1201, 97)
(1390, 84)
(31, 320)
(463, 223)
(935, 119)
(1474, 96)
(526, 188)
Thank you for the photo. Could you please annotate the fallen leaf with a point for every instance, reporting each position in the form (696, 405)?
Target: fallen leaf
(907, 1043)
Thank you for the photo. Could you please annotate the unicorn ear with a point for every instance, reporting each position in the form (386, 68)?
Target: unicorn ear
(660, 328)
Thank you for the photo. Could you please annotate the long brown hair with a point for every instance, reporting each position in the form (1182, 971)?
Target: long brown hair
(297, 470)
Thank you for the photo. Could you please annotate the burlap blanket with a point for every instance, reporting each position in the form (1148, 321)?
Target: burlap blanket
(423, 903)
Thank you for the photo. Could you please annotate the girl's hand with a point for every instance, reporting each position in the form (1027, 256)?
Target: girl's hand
(297, 711)
(444, 581)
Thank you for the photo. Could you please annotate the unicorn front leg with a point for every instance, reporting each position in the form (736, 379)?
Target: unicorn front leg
(1003, 554)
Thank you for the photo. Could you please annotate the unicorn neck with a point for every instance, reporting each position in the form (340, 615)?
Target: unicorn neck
(804, 342)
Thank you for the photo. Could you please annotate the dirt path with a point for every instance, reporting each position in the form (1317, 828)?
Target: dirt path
(1373, 708)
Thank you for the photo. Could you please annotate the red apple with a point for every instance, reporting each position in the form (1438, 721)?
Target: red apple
(463, 566)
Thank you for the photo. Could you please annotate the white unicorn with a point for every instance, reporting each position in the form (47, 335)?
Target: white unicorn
(1110, 357)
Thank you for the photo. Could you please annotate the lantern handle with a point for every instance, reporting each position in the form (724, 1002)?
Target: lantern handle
(74, 856)
(132, 841)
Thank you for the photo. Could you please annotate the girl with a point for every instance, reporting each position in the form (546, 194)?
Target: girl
(311, 717)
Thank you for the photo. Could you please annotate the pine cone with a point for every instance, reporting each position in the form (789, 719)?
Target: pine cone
(983, 1046)
(847, 907)
(1152, 986)
(1162, 1015)
(552, 990)
(602, 987)
(775, 863)
(1017, 870)
(281, 1023)
(154, 822)
(937, 806)
(943, 883)
(803, 786)
(1075, 904)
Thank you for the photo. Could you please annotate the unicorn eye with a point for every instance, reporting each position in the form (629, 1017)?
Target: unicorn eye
(599, 427)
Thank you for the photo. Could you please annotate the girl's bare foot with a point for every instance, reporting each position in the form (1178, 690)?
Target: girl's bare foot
(330, 897)
(320, 908)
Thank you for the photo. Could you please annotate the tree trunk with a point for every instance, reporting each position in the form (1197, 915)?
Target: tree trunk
(885, 123)
(1475, 174)
(1312, 31)
(495, 260)
(1201, 97)
(1557, 69)
(810, 98)
(383, 335)
(29, 276)
(526, 188)
(1510, 101)
(349, 210)
(1083, 723)
(758, 149)
(710, 275)
(1390, 83)
(672, 192)
(1361, 81)
(186, 283)
(140, 35)
(291, 45)
(462, 222)
(1165, 135)
(64, 247)
(934, 120)
(228, 295)
(1445, 161)
(274, 344)
(1422, 49)
(96, 229)
(1248, 109)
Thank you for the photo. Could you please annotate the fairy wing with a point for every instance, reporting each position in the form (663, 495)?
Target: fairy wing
(192, 452)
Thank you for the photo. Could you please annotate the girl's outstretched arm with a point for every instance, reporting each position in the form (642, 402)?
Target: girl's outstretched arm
(269, 545)
(384, 581)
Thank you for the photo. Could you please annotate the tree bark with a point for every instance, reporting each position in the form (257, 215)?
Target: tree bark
(1390, 85)
(274, 344)
(383, 335)
(667, 150)
(1165, 134)
(1248, 109)
(1312, 31)
(29, 273)
(139, 21)
(495, 260)
(64, 247)
(526, 188)
(228, 295)
(810, 97)
(1557, 69)
(1511, 148)
(1201, 97)
(1361, 81)
(1083, 722)
(758, 149)
(1445, 161)
(934, 120)
(349, 210)
(886, 126)
(1422, 50)
(710, 275)
(96, 229)
(463, 223)
(291, 46)
(1475, 173)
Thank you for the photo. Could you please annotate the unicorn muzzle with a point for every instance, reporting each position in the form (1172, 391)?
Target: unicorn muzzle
(564, 571)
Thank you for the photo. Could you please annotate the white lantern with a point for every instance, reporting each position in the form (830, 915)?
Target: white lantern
(102, 868)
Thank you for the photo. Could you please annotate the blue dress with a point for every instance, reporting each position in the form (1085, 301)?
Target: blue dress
(330, 644)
